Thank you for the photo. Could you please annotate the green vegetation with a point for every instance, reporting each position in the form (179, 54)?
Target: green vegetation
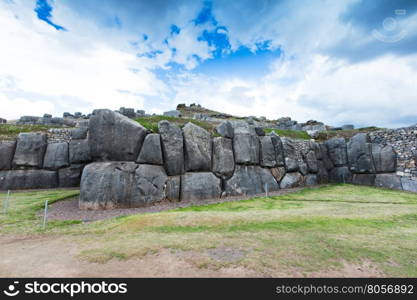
(23, 208)
(151, 123)
(313, 230)
(11, 131)
(347, 134)
(296, 134)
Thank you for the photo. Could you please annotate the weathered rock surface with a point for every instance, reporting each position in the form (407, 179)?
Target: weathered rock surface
(79, 152)
(409, 185)
(336, 149)
(223, 158)
(6, 154)
(340, 175)
(198, 148)
(322, 175)
(279, 149)
(70, 176)
(173, 188)
(278, 173)
(149, 185)
(109, 185)
(311, 161)
(359, 151)
(290, 154)
(291, 180)
(56, 156)
(28, 179)
(225, 129)
(390, 181)
(198, 186)
(384, 158)
(30, 149)
(328, 164)
(151, 152)
(172, 147)
(79, 133)
(267, 152)
(113, 136)
(246, 149)
(249, 180)
(311, 179)
(364, 179)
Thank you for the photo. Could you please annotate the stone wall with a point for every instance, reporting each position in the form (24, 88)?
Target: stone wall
(127, 166)
(404, 142)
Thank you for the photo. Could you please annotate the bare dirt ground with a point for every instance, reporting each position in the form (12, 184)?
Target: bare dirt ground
(68, 209)
(57, 257)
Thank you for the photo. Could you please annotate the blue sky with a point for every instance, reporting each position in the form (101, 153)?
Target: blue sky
(351, 61)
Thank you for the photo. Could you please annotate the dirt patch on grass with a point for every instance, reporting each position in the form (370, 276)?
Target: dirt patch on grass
(68, 209)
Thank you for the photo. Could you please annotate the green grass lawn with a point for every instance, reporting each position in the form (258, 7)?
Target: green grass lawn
(296, 134)
(11, 131)
(151, 123)
(307, 231)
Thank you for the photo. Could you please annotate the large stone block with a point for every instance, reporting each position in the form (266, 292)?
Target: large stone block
(336, 149)
(409, 185)
(340, 175)
(323, 174)
(79, 151)
(28, 179)
(250, 180)
(267, 152)
(198, 148)
(225, 129)
(311, 179)
(290, 154)
(198, 186)
(278, 173)
(279, 149)
(223, 158)
(172, 147)
(56, 156)
(328, 164)
(113, 136)
(173, 188)
(70, 176)
(6, 154)
(364, 179)
(359, 151)
(311, 161)
(291, 180)
(246, 149)
(151, 152)
(389, 181)
(385, 158)
(30, 150)
(109, 185)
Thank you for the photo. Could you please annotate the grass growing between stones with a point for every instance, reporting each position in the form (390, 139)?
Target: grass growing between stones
(11, 131)
(314, 232)
(296, 134)
(151, 123)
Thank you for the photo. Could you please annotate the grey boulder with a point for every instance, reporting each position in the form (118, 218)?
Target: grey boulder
(79, 151)
(30, 149)
(291, 159)
(267, 152)
(198, 186)
(246, 149)
(389, 181)
(364, 179)
(359, 150)
(151, 152)
(311, 161)
(223, 158)
(385, 158)
(340, 175)
(409, 185)
(173, 188)
(6, 154)
(198, 148)
(278, 173)
(292, 180)
(172, 147)
(225, 129)
(250, 180)
(70, 176)
(336, 149)
(79, 133)
(311, 179)
(279, 149)
(149, 185)
(28, 179)
(113, 136)
(56, 156)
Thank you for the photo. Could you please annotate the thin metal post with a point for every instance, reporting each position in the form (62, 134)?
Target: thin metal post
(45, 215)
(6, 203)
(266, 190)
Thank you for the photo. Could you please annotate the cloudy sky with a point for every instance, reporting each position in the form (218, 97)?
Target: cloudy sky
(351, 61)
